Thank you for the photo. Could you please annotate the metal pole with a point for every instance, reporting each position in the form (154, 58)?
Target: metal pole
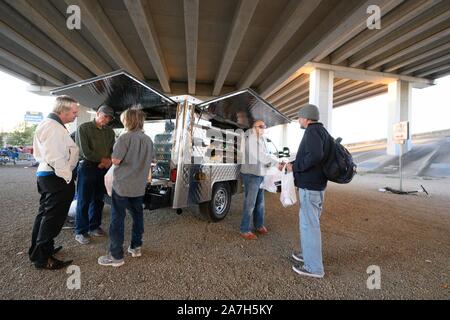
(400, 166)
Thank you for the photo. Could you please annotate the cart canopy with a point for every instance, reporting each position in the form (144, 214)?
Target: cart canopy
(240, 109)
(120, 90)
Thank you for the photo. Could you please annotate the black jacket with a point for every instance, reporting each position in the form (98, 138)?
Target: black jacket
(310, 156)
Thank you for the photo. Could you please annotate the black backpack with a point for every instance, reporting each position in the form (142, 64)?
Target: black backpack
(338, 166)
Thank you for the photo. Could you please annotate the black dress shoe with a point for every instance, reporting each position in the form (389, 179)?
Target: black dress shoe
(54, 264)
(57, 249)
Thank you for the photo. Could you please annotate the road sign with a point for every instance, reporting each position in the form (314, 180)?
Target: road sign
(401, 132)
(32, 116)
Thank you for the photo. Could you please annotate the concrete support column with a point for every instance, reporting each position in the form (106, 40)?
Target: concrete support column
(321, 94)
(399, 100)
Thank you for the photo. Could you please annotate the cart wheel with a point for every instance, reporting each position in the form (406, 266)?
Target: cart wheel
(218, 207)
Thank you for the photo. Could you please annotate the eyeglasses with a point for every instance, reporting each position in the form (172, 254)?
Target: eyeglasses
(261, 126)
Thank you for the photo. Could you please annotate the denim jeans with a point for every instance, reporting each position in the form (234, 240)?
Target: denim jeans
(311, 203)
(90, 194)
(116, 228)
(253, 203)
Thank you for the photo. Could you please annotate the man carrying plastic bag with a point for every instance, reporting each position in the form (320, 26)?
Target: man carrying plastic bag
(312, 182)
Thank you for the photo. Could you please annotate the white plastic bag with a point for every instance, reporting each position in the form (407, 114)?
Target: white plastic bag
(109, 180)
(288, 195)
(73, 209)
(273, 175)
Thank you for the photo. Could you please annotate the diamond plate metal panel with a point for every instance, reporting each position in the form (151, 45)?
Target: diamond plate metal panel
(225, 172)
(196, 191)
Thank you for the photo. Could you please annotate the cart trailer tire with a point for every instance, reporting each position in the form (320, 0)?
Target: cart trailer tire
(220, 203)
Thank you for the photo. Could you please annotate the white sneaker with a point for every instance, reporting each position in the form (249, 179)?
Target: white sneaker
(136, 252)
(108, 260)
(97, 233)
(303, 272)
(297, 256)
(82, 239)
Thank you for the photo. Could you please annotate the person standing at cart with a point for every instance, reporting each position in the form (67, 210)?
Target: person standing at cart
(132, 156)
(57, 155)
(95, 140)
(312, 182)
(257, 161)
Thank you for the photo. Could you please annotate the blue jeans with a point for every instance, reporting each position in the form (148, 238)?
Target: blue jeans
(90, 194)
(116, 228)
(253, 203)
(311, 203)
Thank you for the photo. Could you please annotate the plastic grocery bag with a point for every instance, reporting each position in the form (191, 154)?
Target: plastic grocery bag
(288, 195)
(73, 209)
(109, 180)
(272, 176)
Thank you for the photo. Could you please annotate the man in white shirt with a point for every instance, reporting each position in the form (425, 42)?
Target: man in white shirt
(257, 161)
(57, 155)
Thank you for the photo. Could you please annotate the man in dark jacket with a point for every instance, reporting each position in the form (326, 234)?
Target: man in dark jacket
(311, 181)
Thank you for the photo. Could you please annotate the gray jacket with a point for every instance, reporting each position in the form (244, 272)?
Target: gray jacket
(257, 159)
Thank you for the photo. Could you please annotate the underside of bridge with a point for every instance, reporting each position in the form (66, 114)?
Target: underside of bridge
(206, 48)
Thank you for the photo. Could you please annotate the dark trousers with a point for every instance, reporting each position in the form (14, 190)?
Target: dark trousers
(90, 193)
(54, 204)
(116, 228)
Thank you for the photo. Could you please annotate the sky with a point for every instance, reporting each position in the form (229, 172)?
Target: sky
(16, 101)
(360, 121)
(367, 119)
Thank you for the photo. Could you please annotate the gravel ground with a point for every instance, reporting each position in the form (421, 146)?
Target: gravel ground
(187, 257)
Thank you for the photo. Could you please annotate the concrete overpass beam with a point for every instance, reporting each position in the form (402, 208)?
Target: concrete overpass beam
(80, 50)
(139, 13)
(97, 22)
(399, 93)
(292, 87)
(293, 17)
(31, 47)
(29, 67)
(330, 33)
(191, 16)
(241, 21)
(292, 97)
(321, 94)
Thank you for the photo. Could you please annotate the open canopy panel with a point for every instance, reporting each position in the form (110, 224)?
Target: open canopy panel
(240, 109)
(120, 91)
